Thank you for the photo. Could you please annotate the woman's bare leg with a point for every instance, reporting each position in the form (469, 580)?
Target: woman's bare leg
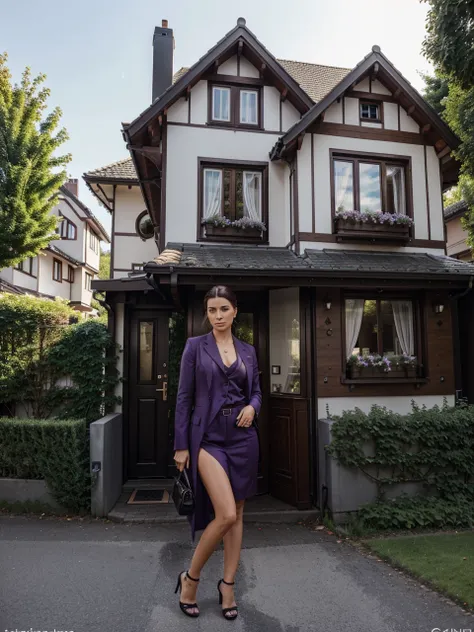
(232, 548)
(220, 492)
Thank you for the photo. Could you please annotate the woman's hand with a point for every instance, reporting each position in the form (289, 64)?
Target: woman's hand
(181, 458)
(245, 417)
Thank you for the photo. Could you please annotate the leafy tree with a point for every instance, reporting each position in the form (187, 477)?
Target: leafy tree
(104, 266)
(449, 42)
(30, 173)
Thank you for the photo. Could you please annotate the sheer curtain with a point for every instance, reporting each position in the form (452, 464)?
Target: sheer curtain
(252, 195)
(212, 193)
(343, 185)
(403, 316)
(398, 182)
(354, 314)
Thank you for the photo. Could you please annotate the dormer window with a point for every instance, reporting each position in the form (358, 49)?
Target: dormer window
(370, 112)
(66, 228)
(235, 106)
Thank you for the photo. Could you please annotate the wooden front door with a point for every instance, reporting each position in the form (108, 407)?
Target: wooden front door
(148, 443)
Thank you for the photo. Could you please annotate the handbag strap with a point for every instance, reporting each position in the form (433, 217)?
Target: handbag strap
(183, 471)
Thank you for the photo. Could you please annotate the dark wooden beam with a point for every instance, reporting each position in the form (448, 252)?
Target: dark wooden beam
(240, 48)
(426, 128)
(300, 141)
(284, 94)
(188, 93)
(410, 110)
(444, 152)
(375, 70)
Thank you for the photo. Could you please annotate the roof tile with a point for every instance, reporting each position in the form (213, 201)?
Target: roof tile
(120, 170)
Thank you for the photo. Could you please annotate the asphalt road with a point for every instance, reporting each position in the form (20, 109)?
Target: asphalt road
(98, 576)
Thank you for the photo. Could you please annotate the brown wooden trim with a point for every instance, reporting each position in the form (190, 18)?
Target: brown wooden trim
(64, 199)
(370, 96)
(129, 234)
(238, 59)
(123, 270)
(297, 212)
(281, 115)
(332, 239)
(189, 107)
(428, 214)
(239, 81)
(70, 273)
(164, 169)
(65, 222)
(313, 199)
(112, 248)
(356, 131)
(60, 280)
(344, 110)
(228, 127)
(106, 180)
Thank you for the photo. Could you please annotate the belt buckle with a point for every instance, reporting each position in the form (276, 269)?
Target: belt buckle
(227, 412)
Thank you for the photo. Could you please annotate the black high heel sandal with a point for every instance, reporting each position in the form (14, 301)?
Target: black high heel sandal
(186, 606)
(226, 610)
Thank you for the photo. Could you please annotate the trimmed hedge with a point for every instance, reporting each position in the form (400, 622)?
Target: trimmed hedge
(56, 450)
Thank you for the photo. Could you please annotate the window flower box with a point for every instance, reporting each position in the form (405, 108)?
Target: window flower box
(222, 228)
(372, 225)
(375, 365)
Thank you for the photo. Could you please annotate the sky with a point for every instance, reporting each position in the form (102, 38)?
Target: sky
(97, 54)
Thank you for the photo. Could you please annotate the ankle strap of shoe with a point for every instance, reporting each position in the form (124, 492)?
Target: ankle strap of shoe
(189, 577)
(228, 583)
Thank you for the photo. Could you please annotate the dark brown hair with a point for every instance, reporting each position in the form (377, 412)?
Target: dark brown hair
(220, 291)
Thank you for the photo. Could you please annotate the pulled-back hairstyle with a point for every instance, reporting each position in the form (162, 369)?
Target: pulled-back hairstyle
(220, 291)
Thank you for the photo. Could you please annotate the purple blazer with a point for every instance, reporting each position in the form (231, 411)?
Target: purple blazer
(201, 394)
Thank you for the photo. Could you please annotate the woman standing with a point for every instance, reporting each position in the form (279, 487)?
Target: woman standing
(218, 398)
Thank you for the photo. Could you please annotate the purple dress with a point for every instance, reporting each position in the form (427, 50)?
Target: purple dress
(236, 448)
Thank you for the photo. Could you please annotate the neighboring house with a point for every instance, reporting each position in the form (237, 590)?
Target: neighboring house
(67, 267)
(456, 235)
(241, 135)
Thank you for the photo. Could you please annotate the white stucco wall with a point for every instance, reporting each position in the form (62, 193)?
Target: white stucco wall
(185, 145)
(72, 247)
(199, 103)
(363, 86)
(351, 109)
(92, 258)
(24, 280)
(379, 88)
(178, 112)
(46, 283)
(322, 181)
(271, 109)
(402, 405)
(289, 115)
(334, 113)
(129, 249)
(407, 124)
(390, 115)
(229, 67)
(247, 69)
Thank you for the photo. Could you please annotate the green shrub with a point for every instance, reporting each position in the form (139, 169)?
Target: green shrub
(56, 450)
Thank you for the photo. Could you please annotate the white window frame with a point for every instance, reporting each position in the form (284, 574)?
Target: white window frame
(370, 118)
(214, 117)
(255, 92)
(204, 192)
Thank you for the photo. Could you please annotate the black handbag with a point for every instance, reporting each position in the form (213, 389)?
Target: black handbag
(182, 494)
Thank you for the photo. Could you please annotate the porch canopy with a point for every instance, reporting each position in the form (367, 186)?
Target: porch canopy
(264, 266)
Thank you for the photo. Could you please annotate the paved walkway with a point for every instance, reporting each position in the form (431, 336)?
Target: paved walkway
(95, 576)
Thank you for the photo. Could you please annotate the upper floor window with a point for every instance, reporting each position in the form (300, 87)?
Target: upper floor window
(88, 281)
(27, 266)
(236, 106)
(94, 242)
(220, 104)
(370, 112)
(67, 229)
(363, 184)
(70, 274)
(57, 270)
(234, 200)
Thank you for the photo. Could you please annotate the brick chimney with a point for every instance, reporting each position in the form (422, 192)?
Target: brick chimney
(72, 185)
(163, 45)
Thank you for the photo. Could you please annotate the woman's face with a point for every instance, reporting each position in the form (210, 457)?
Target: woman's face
(220, 313)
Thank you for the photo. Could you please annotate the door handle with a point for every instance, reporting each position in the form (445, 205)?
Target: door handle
(164, 390)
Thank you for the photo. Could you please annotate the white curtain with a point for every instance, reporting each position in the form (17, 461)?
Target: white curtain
(343, 185)
(403, 316)
(398, 181)
(248, 107)
(252, 189)
(212, 192)
(354, 314)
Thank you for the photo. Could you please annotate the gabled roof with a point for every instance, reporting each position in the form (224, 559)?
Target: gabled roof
(316, 80)
(374, 60)
(90, 217)
(456, 209)
(122, 170)
(225, 46)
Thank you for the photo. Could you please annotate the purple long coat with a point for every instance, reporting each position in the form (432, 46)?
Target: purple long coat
(201, 394)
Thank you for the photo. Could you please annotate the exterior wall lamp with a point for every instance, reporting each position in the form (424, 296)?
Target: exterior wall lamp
(438, 308)
(327, 302)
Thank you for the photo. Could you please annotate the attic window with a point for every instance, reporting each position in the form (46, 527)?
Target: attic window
(235, 106)
(370, 112)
